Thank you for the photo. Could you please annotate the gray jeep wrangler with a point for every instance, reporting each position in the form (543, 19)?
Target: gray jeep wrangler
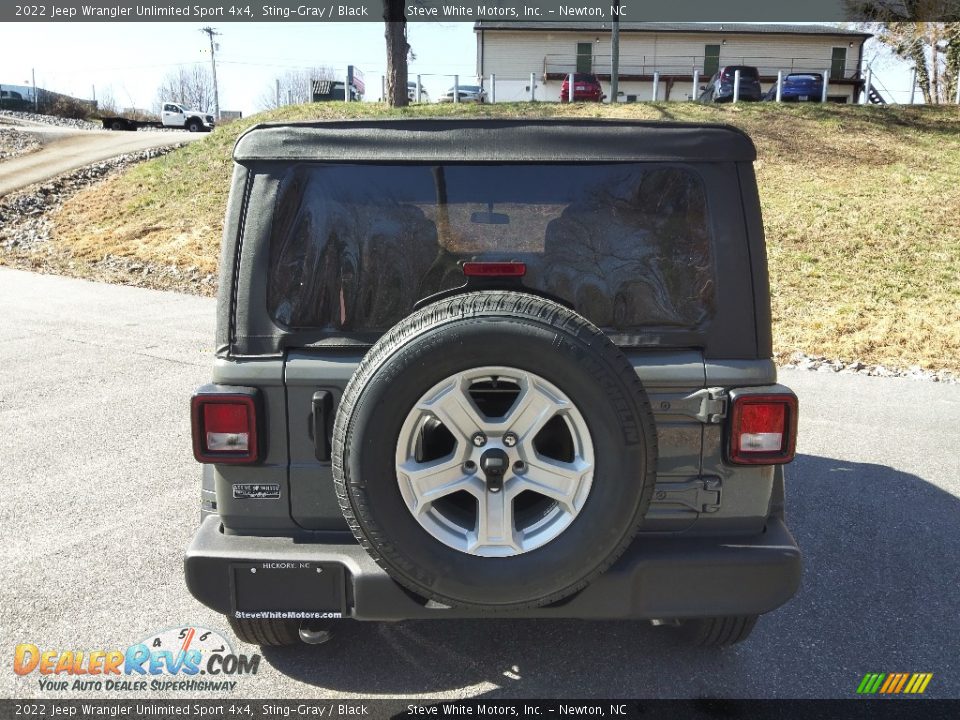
(490, 369)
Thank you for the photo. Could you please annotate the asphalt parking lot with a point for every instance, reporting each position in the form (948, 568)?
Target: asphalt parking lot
(101, 496)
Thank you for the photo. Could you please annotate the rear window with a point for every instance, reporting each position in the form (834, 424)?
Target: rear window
(353, 247)
(745, 72)
(581, 78)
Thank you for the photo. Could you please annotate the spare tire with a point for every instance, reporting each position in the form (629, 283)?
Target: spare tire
(494, 450)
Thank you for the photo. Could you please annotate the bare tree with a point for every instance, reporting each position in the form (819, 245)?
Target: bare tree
(191, 86)
(398, 49)
(107, 103)
(924, 32)
(293, 86)
(934, 50)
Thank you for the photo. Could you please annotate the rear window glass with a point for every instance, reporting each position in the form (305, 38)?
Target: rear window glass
(745, 72)
(353, 247)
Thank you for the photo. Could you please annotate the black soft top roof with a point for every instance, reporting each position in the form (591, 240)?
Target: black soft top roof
(494, 140)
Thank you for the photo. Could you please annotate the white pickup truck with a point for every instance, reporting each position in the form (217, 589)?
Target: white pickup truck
(173, 115)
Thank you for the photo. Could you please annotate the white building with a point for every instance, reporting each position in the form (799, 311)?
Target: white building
(551, 50)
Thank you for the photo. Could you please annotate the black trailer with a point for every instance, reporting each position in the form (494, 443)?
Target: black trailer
(121, 123)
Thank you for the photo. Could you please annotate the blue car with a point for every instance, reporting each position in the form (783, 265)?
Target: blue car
(799, 87)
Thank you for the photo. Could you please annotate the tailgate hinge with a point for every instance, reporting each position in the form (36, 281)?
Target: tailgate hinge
(709, 405)
(713, 405)
(701, 495)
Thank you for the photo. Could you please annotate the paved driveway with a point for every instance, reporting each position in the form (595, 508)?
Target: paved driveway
(100, 498)
(66, 149)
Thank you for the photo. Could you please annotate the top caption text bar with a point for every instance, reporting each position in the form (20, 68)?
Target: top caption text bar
(513, 11)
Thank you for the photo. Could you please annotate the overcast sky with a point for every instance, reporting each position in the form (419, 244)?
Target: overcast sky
(129, 60)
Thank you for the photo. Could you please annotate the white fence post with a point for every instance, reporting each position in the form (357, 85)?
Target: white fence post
(866, 88)
(696, 85)
(570, 87)
(736, 86)
(533, 87)
(826, 85)
(957, 99)
(419, 88)
(456, 88)
(656, 86)
(779, 85)
(493, 87)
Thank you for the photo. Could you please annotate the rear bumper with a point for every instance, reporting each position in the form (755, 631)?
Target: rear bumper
(657, 577)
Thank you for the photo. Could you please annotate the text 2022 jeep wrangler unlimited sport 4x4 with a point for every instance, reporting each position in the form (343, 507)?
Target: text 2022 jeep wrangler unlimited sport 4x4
(493, 368)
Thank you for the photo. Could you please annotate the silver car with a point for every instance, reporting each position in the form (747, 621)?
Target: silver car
(468, 94)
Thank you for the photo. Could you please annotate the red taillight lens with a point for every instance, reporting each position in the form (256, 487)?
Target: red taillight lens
(494, 269)
(224, 428)
(763, 429)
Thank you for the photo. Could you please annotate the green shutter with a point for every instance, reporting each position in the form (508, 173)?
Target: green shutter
(711, 60)
(838, 63)
(585, 57)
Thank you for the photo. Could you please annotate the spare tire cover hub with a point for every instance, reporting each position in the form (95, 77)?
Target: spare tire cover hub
(495, 500)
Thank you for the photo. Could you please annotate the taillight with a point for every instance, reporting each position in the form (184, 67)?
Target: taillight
(763, 429)
(225, 425)
(494, 269)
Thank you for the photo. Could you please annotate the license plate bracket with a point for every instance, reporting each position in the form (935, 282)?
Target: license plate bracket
(294, 588)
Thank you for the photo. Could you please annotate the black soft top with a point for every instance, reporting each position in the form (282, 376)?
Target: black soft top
(494, 140)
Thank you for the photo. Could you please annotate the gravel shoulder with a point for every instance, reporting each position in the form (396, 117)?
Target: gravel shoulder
(15, 142)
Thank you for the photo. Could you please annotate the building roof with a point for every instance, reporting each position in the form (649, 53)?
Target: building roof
(681, 27)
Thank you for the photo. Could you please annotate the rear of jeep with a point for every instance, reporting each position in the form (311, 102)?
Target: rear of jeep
(493, 368)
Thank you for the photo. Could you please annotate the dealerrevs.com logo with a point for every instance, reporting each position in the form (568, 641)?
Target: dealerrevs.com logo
(188, 659)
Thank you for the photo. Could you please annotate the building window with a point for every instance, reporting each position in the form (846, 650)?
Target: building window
(711, 60)
(585, 57)
(838, 63)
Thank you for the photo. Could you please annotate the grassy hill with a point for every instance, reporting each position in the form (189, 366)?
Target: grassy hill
(861, 208)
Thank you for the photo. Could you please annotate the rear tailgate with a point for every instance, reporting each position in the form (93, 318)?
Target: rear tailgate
(674, 380)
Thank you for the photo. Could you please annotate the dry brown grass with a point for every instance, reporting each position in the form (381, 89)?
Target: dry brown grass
(861, 208)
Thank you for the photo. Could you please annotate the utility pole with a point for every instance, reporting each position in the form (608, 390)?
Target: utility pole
(615, 54)
(213, 65)
(278, 92)
(36, 101)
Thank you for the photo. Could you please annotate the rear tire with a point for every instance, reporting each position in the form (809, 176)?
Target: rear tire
(718, 631)
(267, 633)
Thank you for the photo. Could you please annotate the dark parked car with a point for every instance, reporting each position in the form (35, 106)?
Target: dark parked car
(586, 88)
(720, 87)
(493, 368)
(799, 87)
(412, 92)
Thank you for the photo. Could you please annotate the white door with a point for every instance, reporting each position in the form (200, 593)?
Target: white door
(172, 115)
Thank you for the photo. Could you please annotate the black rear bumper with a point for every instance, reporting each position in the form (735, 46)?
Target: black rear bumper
(657, 577)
